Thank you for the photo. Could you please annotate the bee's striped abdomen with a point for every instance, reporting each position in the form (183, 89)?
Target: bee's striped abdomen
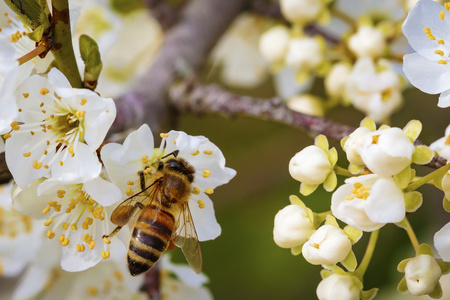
(150, 238)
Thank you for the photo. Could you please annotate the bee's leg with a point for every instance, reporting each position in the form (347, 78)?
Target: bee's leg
(142, 180)
(138, 205)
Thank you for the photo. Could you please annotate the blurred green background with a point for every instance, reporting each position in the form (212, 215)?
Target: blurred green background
(244, 262)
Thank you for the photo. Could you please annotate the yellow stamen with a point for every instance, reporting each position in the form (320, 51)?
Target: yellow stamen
(48, 222)
(195, 153)
(442, 15)
(27, 154)
(201, 204)
(195, 190)
(44, 91)
(439, 52)
(209, 191)
(442, 62)
(208, 152)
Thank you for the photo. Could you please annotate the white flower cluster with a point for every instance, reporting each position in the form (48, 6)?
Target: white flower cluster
(355, 60)
(66, 184)
(380, 189)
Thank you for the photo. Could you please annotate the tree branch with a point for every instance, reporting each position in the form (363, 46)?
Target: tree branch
(192, 96)
(185, 47)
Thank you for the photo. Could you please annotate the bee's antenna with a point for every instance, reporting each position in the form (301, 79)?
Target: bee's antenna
(174, 153)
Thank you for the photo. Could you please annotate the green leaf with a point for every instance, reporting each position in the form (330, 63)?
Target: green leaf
(30, 13)
(422, 155)
(330, 182)
(92, 61)
(369, 295)
(307, 189)
(437, 292)
(445, 266)
(413, 200)
(321, 142)
(403, 178)
(350, 262)
(402, 287)
(413, 129)
(353, 234)
(36, 35)
(402, 265)
(424, 249)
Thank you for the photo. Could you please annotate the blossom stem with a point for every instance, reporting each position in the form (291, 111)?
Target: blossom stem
(411, 234)
(361, 270)
(342, 171)
(344, 17)
(41, 48)
(427, 178)
(62, 48)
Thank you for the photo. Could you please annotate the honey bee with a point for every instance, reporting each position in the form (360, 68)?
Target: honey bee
(161, 217)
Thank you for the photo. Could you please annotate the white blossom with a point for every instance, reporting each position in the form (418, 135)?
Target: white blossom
(336, 80)
(310, 166)
(273, 44)
(354, 143)
(442, 241)
(442, 145)
(304, 53)
(387, 152)
(422, 274)
(327, 246)
(61, 125)
(338, 287)
(292, 226)
(122, 163)
(367, 42)
(368, 202)
(426, 28)
(376, 93)
(301, 11)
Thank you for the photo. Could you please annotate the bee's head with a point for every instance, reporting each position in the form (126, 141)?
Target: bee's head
(179, 165)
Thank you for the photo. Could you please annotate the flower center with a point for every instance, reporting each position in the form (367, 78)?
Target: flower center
(359, 191)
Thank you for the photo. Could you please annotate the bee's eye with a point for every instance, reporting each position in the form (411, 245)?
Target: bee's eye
(160, 166)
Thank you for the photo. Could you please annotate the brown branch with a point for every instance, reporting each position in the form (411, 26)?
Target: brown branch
(185, 47)
(192, 96)
(166, 14)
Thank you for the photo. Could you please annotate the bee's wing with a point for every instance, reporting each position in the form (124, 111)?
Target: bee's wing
(186, 238)
(130, 207)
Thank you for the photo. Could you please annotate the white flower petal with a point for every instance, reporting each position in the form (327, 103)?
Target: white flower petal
(104, 192)
(444, 99)
(442, 242)
(204, 218)
(385, 203)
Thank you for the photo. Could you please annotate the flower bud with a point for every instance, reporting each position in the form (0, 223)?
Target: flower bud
(306, 104)
(327, 246)
(273, 44)
(422, 273)
(367, 41)
(336, 80)
(353, 144)
(292, 226)
(386, 152)
(310, 166)
(301, 11)
(304, 54)
(338, 287)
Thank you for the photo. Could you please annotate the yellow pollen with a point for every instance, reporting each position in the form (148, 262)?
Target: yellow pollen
(42, 104)
(61, 163)
(92, 291)
(27, 154)
(201, 204)
(26, 95)
(87, 238)
(349, 198)
(79, 114)
(129, 192)
(442, 62)
(32, 133)
(48, 222)
(62, 237)
(441, 42)
(129, 182)
(206, 173)
(358, 185)
(442, 15)
(6, 136)
(50, 234)
(20, 110)
(447, 6)
(91, 244)
(65, 225)
(46, 167)
(209, 191)
(60, 193)
(105, 254)
(431, 37)
(427, 30)
(80, 248)
(118, 275)
(439, 52)
(195, 153)
(164, 135)
(106, 240)
(375, 139)
(208, 152)
(175, 141)
(37, 165)
(315, 245)
(73, 227)
(46, 210)
(195, 190)
(70, 149)
(65, 242)
(83, 101)
(44, 91)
